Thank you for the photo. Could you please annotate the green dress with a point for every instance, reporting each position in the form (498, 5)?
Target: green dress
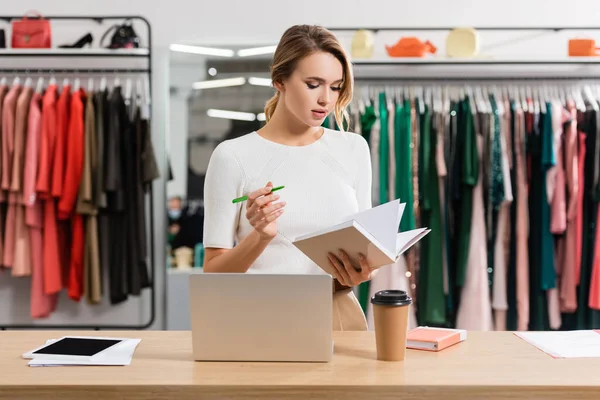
(384, 149)
(432, 300)
(367, 120)
(403, 154)
(468, 160)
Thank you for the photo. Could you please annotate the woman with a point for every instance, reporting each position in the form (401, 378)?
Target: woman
(326, 174)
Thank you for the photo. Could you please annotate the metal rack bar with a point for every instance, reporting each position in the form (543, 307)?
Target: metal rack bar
(475, 79)
(74, 70)
(481, 28)
(98, 19)
(82, 54)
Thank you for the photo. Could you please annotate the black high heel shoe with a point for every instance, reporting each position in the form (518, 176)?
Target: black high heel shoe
(85, 40)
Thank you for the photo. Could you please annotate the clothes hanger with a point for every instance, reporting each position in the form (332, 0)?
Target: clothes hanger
(90, 84)
(590, 97)
(3, 81)
(16, 81)
(40, 85)
(103, 83)
(28, 82)
(52, 80)
(65, 82)
(76, 85)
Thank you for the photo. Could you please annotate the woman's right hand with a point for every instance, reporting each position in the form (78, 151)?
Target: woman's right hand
(262, 211)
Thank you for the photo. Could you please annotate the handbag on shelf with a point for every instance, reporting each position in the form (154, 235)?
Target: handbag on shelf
(124, 37)
(31, 33)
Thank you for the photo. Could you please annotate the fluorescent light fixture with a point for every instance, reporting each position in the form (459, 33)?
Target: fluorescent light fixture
(259, 81)
(261, 117)
(242, 116)
(209, 51)
(216, 83)
(256, 51)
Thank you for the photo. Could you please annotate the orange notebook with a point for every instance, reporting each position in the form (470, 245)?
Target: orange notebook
(434, 339)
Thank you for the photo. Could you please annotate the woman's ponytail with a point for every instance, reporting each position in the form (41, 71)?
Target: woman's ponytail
(271, 105)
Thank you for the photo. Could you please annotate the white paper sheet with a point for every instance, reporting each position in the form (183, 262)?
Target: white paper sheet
(565, 344)
(119, 355)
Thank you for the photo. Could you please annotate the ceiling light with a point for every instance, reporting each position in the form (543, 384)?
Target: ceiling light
(259, 81)
(209, 51)
(212, 71)
(256, 51)
(261, 117)
(216, 83)
(242, 116)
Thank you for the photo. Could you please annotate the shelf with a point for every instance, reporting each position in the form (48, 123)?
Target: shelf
(477, 61)
(86, 52)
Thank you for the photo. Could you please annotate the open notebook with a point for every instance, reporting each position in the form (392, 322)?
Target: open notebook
(373, 232)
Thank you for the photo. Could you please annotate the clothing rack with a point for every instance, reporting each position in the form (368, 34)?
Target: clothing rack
(144, 54)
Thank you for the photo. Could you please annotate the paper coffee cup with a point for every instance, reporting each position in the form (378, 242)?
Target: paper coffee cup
(390, 308)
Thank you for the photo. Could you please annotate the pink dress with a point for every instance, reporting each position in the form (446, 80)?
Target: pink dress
(568, 292)
(522, 228)
(8, 145)
(475, 310)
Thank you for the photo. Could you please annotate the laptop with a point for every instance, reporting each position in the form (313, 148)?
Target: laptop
(261, 317)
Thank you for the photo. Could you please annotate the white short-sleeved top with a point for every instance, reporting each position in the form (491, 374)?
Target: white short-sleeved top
(325, 182)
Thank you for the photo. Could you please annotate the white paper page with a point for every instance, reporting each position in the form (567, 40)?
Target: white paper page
(565, 344)
(404, 240)
(117, 356)
(383, 222)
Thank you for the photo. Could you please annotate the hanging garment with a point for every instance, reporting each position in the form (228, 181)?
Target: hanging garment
(502, 232)
(432, 308)
(413, 254)
(467, 160)
(384, 151)
(571, 256)
(72, 179)
(522, 224)
(475, 310)
(392, 150)
(590, 206)
(42, 304)
(3, 91)
(22, 252)
(511, 276)
(53, 280)
(367, 119)
(440, 164)
(113, 175)
(8, 145)
(87, 208)
(104, 228)
(594, 296)
(146, 171)
(59, 160)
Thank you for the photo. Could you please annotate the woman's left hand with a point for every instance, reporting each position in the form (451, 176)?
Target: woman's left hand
(345, 273)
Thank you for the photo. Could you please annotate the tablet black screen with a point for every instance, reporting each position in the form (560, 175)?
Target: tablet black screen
(77, 347)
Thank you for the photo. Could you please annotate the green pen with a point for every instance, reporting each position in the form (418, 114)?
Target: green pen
(240, 199)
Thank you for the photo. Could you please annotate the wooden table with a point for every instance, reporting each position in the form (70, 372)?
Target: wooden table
(493, 365)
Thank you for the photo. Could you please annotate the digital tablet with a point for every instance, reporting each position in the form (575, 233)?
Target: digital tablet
(74, 347)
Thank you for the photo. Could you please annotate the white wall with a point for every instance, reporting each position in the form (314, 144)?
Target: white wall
(250, 22)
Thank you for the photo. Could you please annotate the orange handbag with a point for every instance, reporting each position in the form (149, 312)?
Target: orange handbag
(582, 47)
(31, 33)
(410, 47)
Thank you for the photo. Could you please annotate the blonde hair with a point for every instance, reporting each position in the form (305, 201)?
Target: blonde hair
(300, 41)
